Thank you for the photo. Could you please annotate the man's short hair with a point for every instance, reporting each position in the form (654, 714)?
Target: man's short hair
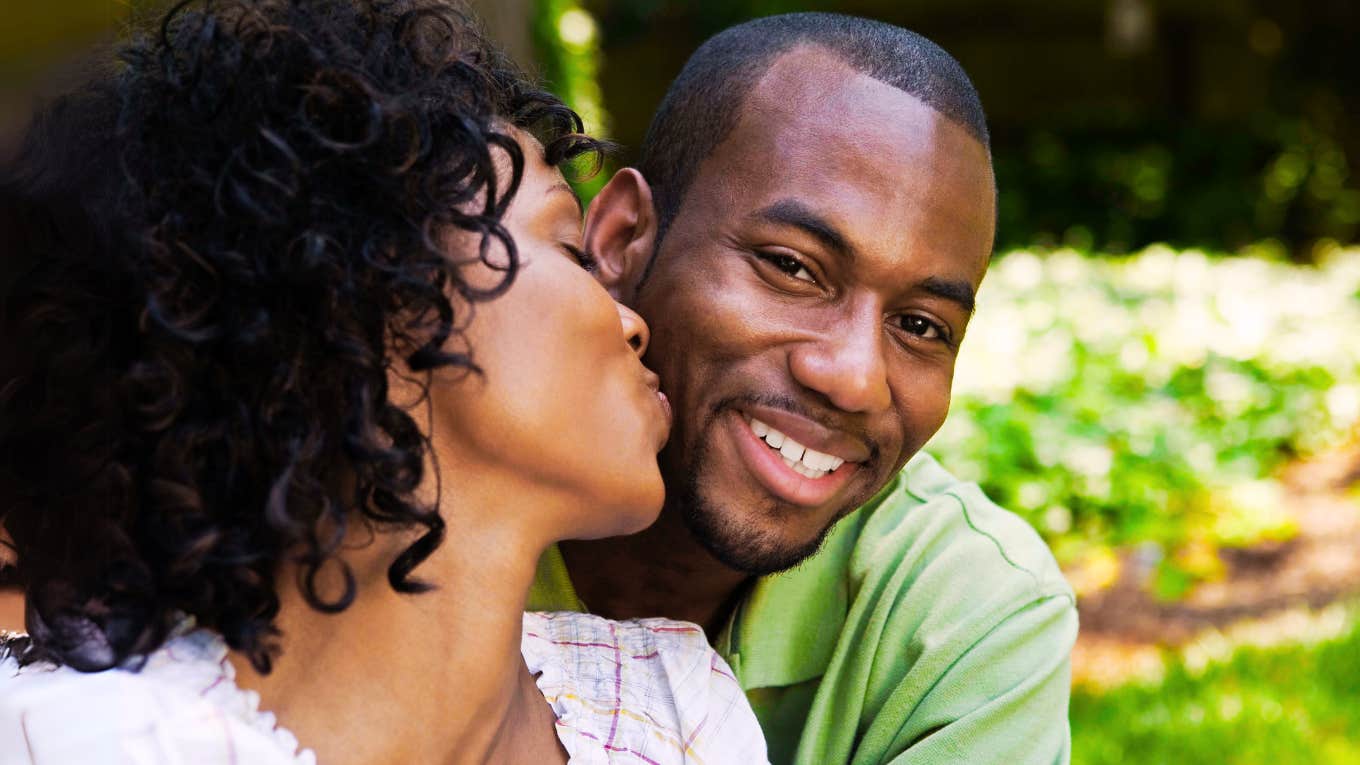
(703, 105)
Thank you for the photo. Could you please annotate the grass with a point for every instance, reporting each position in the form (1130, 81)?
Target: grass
(1291, 703)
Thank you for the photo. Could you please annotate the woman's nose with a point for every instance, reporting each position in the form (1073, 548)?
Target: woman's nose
(634, 329)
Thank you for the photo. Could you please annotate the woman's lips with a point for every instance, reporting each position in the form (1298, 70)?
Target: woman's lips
(667, 416)
(652, 382)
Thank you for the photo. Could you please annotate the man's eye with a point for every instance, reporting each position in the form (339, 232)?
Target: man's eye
(788, 264)
(585, 259)
(923, 327)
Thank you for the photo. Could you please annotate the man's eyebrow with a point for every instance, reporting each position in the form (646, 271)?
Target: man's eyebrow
(791, 212)
(954, 291)
(564, 186)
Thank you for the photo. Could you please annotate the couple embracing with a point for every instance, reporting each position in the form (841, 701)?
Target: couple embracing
(322, 383)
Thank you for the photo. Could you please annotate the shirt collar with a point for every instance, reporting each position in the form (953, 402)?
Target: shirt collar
(785, 630)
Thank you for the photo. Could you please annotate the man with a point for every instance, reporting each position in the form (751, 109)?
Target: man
(813, 215)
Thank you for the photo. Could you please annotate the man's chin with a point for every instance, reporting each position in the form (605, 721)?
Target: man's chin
(755, 534)
(743, 545)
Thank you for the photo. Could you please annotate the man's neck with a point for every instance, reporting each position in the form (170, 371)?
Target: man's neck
(662, 571)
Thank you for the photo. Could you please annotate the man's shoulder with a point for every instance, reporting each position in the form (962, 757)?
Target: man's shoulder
(958, 627)
(929, 528)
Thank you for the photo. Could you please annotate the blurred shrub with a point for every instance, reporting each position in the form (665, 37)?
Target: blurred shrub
(568, 41)
(1151, 398)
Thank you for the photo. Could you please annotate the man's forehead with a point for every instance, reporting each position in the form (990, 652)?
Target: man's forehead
(892, 172)
(810, 100)
(804, 75)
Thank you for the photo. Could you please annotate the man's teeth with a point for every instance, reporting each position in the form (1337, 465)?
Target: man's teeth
(802, 460)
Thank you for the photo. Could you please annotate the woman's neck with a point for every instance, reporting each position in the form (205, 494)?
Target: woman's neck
(436, 677)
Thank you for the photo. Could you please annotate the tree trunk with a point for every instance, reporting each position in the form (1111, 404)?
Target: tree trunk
(509, 24)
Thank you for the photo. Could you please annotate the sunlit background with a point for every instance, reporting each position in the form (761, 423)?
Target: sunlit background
(1163, 376)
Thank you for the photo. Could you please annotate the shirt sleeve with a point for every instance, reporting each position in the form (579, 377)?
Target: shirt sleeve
(956, 647)
(1005, 699)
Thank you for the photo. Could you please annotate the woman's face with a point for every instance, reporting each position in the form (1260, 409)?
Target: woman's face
(564, 403)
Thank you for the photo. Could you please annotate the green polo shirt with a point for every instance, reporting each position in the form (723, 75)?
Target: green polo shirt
(932, 627)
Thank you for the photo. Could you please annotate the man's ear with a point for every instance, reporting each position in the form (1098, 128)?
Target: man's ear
(621, 232)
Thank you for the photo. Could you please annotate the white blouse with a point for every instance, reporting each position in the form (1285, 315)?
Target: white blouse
(182, 707)
(648, 692)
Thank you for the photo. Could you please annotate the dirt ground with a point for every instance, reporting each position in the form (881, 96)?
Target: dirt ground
(1124, 628)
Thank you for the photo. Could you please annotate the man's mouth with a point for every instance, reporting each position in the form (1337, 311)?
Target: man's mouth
(785, 466)
(809, 463)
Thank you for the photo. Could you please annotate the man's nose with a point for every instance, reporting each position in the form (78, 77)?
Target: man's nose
(635, 330)
(846, 365)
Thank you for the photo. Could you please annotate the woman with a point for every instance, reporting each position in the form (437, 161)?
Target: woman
(312, 369)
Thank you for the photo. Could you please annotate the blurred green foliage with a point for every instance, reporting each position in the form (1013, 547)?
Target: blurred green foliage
(1261, 706)
(1152, 398)
(1222, 185)
(567, 39)
(1232, 122)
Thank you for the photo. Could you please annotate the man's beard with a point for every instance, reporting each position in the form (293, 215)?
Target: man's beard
(737, 544)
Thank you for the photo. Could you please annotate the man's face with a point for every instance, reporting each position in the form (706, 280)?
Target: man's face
(814, 285)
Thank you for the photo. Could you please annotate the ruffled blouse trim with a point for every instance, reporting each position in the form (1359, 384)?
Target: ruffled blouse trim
(197, 659)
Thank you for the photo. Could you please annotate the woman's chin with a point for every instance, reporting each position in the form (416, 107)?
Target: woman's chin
(623, 518)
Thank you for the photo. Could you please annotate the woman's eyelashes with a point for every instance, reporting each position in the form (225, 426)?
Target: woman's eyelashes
(585, 259)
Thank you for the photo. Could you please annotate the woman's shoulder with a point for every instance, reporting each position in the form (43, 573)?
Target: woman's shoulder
(180, 706)
(677, 637)
(646, 688)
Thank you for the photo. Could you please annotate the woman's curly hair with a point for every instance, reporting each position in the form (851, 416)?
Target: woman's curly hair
(233, 237)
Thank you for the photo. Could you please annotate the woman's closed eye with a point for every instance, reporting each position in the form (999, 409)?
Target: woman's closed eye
(583, 258)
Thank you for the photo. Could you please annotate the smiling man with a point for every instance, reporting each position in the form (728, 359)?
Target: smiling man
(811, 220)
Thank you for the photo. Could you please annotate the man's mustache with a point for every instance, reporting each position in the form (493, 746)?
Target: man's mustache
(821, 415)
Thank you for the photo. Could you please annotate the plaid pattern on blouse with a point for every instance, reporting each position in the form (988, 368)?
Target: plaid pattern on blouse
(646, 692)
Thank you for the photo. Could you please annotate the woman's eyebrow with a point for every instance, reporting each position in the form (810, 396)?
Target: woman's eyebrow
(562, 186)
